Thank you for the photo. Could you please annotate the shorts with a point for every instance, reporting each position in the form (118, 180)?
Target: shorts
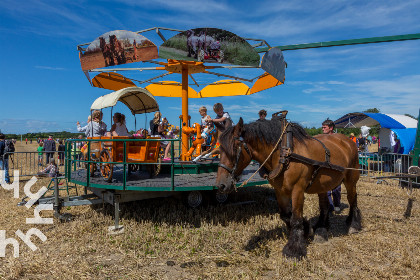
(39, 157)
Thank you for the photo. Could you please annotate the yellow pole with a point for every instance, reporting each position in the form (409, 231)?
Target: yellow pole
(184, 141)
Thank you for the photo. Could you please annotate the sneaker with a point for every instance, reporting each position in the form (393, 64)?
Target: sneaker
(166, 159)
(337, 209)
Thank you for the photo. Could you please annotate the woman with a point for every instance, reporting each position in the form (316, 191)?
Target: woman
(119, 128)
(96, 127)
(154, 124)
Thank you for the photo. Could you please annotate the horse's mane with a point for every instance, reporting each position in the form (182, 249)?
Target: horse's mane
(262, 131)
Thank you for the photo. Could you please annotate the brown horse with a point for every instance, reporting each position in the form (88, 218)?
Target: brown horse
(299, 164)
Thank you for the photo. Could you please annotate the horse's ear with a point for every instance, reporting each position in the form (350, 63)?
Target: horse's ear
(238, 127)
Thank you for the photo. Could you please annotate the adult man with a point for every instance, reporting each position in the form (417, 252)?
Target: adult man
(334, 201)
(4, 161)
(49, 148)
(262, 114)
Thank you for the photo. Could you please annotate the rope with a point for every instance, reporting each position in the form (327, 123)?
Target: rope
(275, 147)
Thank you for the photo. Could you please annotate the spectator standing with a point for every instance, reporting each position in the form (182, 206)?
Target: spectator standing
(61, 149)
(40, 149)
(49, 148)
(334, 196)
(4, 160)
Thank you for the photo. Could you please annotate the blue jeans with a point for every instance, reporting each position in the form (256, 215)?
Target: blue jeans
(6, 168)
(335, 200)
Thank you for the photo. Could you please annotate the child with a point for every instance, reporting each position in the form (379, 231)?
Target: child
(222, 117)
(50, 170)
(40, 149)
(206, 125)
(61, 149)
(173, 134)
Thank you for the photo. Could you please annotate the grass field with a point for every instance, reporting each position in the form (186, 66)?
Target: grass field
(243, 239)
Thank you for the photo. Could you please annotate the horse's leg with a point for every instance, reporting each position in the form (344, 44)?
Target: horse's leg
(296, 246)
(323, 224)
(283, 200)
(354, 220)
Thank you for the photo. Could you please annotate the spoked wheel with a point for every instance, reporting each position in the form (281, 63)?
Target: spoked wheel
(194, 199)
(106, 168)
(201, 54)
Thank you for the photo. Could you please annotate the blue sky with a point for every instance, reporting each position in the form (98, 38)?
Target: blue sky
(44, 89)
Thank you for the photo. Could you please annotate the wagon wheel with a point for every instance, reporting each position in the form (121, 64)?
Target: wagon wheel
(194, 199)
(106, 168)
(201, 55)
(221, 56)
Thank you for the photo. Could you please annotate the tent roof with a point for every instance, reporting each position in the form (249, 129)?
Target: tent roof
(390, 121)
(138, 100)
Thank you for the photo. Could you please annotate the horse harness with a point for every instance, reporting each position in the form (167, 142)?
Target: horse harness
(287, 154)
(232, 171)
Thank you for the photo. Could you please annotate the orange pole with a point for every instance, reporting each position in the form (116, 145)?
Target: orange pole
(185, 138)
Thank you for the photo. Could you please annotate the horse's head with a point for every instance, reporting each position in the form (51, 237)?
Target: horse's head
(234, 157)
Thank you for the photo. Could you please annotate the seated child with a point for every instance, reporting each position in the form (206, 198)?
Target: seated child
(206, 125)
(222, 118)
(172, 134)
(118, 128)
(51, 170)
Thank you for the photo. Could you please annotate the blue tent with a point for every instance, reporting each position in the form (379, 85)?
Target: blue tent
(403, 126)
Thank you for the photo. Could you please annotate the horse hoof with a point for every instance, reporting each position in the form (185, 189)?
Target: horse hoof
(294, 253)
(321, 235)
(353, 230)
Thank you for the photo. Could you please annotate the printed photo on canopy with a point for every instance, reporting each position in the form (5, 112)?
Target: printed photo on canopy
(116, 48)
(209, 45)
(273, 63)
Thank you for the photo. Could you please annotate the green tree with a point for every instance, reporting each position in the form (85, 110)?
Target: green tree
(372, 110)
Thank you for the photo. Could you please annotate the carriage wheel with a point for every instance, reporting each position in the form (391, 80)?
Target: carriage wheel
(194, 199)
(106, 168)
(221, 56)
(201, 55)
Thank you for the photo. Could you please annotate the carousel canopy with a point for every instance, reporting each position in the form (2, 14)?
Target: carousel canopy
(138, 100)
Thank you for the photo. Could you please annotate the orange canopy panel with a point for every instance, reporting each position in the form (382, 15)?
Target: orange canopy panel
(112, 81)
(170, 89)
(225, 88)
(264, 82)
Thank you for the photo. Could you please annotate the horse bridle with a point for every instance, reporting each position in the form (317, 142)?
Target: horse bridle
(232, 171)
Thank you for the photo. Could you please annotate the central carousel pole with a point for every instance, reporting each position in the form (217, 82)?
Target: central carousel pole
(185, 138)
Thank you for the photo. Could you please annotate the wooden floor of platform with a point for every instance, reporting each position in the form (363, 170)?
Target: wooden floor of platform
(141, 179)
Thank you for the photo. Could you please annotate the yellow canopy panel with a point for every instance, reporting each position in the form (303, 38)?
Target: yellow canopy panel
(225, 88)
(264, 82)
(112, 81)
(170, 89)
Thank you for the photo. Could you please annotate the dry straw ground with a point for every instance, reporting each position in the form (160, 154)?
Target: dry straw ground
(164, 239)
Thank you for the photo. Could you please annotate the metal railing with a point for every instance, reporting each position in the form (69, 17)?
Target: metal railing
(31, 163)
(388, 164)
